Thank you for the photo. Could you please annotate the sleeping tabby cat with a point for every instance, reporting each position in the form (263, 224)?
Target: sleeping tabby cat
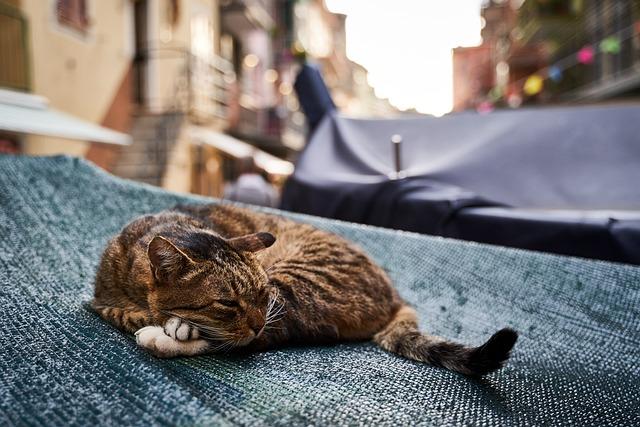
(210, 278)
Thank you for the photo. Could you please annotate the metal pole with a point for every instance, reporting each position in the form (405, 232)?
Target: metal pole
(396, 142)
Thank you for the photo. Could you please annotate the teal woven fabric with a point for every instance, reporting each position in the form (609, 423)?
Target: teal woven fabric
(577, 360)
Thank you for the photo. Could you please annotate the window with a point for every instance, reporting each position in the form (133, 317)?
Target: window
(9, 144)
(559, 8)
(73, 13)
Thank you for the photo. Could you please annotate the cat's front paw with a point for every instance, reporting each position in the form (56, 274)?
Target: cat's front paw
(157, 342)
(180, 330)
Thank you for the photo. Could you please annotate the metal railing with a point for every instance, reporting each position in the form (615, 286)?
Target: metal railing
(600, 77)
(588, 25)
(176, 80)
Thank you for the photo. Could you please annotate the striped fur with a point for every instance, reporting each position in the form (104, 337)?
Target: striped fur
(219, 271)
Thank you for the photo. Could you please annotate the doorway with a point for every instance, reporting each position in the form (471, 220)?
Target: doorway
(141, 53)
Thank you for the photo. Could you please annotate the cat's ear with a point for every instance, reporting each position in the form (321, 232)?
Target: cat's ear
(167, 261)
(252, 242)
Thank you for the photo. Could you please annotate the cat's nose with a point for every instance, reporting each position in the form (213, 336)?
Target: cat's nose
(256, 323)
(257, 328)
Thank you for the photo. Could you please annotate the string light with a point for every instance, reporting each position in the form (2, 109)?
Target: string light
(555, 73)
(514, 100)
(533, 85)
(586, 55)
(485, 107)
(496, 93)
(610, 45)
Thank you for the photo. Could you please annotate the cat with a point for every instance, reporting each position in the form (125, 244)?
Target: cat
(200, 279)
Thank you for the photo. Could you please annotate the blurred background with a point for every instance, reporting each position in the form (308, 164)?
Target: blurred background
(199, 83)
(191, 95)
(195, 83)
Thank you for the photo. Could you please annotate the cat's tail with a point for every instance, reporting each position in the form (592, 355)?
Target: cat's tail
(401, 336)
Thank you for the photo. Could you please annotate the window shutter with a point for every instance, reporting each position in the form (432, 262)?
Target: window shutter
(73, 13)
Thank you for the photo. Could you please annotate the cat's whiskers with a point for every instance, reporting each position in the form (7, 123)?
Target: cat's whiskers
(207, 332)
(224, 341)
(275, 315)
(215, 332)
(272, 322)
(211, 336)
(271, 304)
(223, 347)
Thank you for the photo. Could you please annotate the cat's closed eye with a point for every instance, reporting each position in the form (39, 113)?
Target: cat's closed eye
(227, 303)
(190, 307)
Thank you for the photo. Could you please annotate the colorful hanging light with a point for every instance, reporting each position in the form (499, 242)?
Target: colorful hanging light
(555, 73)
(586, 55)
(533, 85)
(610, 45)
(485, 107)
(514, 100)
(496, 94)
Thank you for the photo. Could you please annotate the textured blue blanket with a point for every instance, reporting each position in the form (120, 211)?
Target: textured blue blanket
(577, 361)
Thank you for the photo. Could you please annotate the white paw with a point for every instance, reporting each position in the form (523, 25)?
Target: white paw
(179, 330)
(154, 340)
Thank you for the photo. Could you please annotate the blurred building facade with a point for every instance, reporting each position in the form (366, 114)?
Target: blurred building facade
(543, 38)
(473, 76)
(320, 36)
(55, 51)
(197, 83)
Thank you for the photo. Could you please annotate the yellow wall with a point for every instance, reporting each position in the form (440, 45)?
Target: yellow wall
(78, 73)
(81, 73)
(172, 41)
(177, 176)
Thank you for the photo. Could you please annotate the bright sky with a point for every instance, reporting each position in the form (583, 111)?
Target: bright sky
(406, 46)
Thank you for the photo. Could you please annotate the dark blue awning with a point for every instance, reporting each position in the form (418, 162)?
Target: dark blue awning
(563, 180)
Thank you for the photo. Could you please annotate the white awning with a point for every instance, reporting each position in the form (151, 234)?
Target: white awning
(30, 114)
(236, 148)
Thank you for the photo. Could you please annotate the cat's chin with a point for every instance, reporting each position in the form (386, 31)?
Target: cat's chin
(245, 341)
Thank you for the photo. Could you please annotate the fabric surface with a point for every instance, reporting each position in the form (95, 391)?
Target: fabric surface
(565, 178)
(576, 362)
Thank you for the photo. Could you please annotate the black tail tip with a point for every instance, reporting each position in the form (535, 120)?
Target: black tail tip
(494, 353)
(505, 338)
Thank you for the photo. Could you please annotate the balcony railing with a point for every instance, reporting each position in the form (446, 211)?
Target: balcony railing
(568, 27)
(176, 80)
(608, 74)
(14, 56)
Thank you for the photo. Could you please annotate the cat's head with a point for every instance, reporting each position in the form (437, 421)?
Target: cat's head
(213, 283)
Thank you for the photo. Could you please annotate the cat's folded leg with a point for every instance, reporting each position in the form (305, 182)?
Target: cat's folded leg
(157, 342)
(129, 318)
(180, 330)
